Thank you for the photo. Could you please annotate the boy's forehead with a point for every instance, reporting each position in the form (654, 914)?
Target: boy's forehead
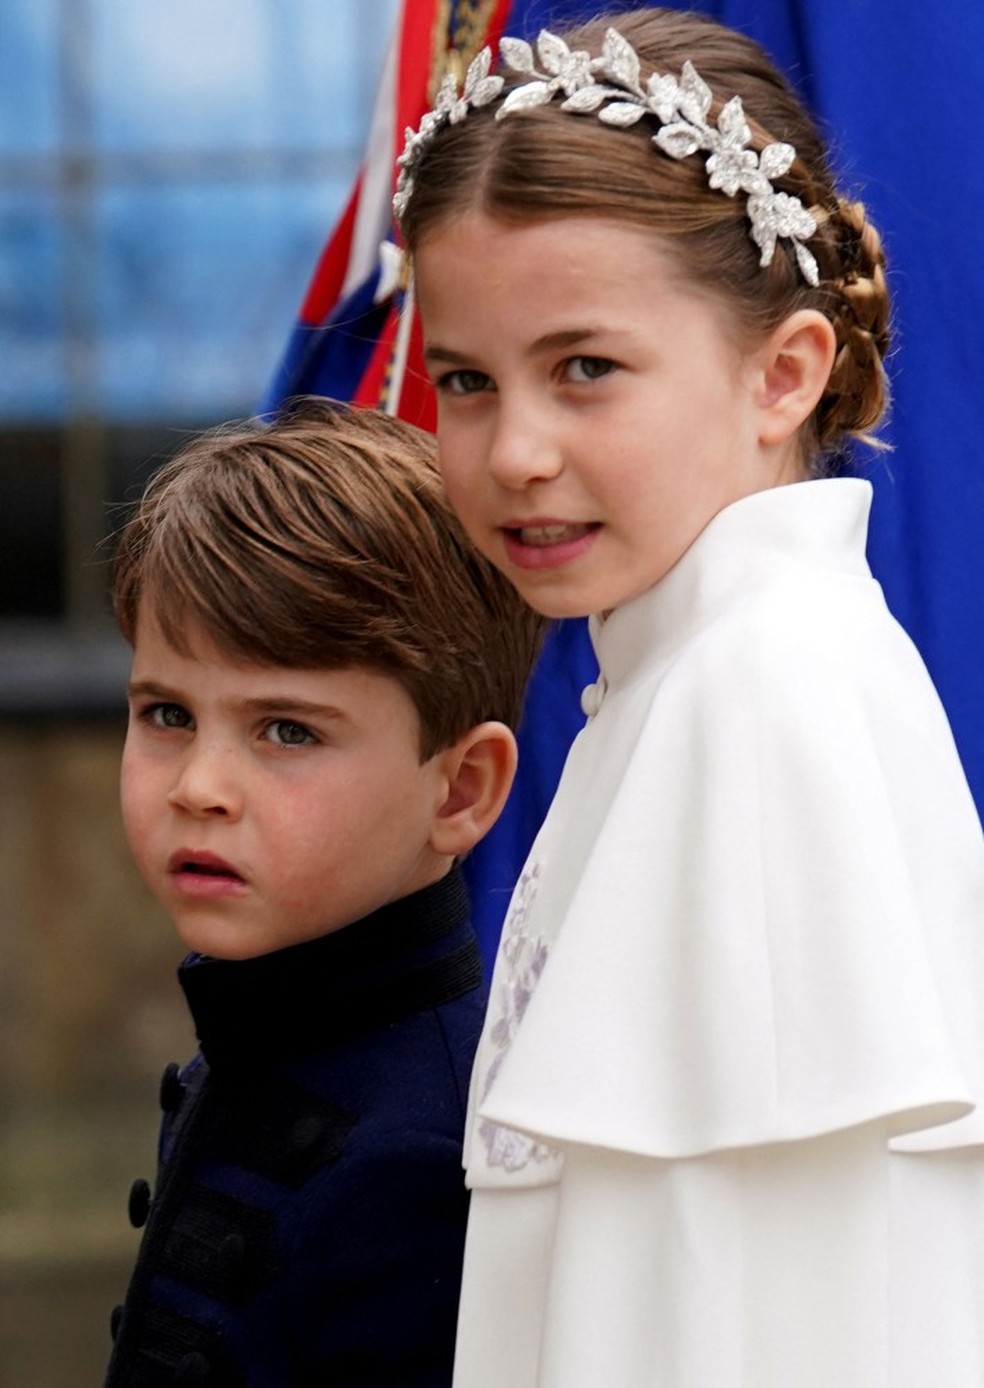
(182, 637)
(190, 658)
(181, 631)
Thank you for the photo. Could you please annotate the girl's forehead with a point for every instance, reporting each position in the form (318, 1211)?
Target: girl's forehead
(495, 254)
(575, 227)
(549, 277)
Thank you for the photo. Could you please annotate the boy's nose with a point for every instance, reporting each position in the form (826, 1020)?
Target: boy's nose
(207, 783)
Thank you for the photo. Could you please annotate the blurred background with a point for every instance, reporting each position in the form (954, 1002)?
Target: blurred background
(168, 175)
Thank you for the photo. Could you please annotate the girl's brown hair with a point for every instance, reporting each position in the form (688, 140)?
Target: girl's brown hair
(325, 541)
(549, 163)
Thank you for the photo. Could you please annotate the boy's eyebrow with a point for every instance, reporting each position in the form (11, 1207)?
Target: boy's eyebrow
(288, 703)
(549, 342)
(268, 703)
(140, 688)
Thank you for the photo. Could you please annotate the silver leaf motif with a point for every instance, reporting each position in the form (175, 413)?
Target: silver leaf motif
(587, 100)
(679, 140)
(807, 262)
(620, 61)
(486, 91)
(553, 52)
(733, 125)
(516, 54)
(621, 113)
(695, 95)
(775, 160)
(479, 68)
(662, 96)
(524, 99)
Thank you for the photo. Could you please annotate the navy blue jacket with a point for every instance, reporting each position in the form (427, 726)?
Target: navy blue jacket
(308, 1220)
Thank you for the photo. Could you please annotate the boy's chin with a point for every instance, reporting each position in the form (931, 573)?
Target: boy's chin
(223, 939)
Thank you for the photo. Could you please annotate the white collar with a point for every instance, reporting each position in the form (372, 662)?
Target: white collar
(819, 524)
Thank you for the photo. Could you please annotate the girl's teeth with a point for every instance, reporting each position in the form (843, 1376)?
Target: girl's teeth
(550, 534)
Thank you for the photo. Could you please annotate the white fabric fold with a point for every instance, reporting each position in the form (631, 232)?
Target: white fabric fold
(763, 879)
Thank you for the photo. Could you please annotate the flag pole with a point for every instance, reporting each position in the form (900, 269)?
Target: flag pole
(401, 351)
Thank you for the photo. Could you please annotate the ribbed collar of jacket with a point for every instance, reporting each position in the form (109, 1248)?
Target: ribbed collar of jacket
(411, 954)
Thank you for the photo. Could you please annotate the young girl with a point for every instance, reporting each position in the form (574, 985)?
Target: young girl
(722, 1129)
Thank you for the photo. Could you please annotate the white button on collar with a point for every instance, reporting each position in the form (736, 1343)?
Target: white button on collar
(592, 696)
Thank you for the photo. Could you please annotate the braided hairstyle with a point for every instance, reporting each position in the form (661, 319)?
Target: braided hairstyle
(546, 162)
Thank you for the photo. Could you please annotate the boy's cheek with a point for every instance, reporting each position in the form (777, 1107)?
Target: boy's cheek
(129, 796)
(136, 806)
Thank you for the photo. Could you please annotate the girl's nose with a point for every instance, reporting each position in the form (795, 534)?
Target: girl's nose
(524, 448)
(207, 783)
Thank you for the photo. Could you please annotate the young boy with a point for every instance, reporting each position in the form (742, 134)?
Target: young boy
(324, 678)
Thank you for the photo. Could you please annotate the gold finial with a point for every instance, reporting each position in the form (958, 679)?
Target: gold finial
(468, 22)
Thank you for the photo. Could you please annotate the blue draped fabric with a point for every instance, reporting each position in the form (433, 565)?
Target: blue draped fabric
(894, 84)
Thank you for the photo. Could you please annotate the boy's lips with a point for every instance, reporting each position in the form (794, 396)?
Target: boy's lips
(198, 873)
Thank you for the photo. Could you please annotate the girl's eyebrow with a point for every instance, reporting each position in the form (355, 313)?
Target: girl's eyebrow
(549, 342)
(565, 337)
(434, 352)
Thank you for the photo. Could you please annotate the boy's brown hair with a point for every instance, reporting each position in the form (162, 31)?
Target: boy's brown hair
(324, 541)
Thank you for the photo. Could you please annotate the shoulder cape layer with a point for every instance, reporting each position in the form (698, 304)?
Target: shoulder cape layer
(761, 884)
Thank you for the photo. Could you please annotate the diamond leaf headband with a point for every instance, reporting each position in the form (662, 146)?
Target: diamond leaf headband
(679, 106)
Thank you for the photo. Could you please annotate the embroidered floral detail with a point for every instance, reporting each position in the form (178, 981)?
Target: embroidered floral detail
(525, 957)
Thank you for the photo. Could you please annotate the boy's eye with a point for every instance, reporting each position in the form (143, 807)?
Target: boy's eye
(583, 369)
(464, 382)
(167, 716)
(284, 732)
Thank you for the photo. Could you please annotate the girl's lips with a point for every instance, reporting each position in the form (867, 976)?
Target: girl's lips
(548, 544)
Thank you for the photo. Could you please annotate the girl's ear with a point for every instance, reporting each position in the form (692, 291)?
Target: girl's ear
(795, 363)
(478, 772)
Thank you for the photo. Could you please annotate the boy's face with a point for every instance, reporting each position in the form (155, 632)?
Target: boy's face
(267, 806)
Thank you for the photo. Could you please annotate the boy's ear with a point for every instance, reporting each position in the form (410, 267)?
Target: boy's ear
(795, 366)
(479, 770)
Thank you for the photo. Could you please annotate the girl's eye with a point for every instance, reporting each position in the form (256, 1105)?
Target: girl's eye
(284, 732)
(464, 382)
(167, 716)
(580, 370)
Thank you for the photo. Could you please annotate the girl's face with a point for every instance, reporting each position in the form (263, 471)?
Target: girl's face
(594, 412)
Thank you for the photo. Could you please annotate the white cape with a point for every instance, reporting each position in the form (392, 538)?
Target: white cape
(742, 974)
